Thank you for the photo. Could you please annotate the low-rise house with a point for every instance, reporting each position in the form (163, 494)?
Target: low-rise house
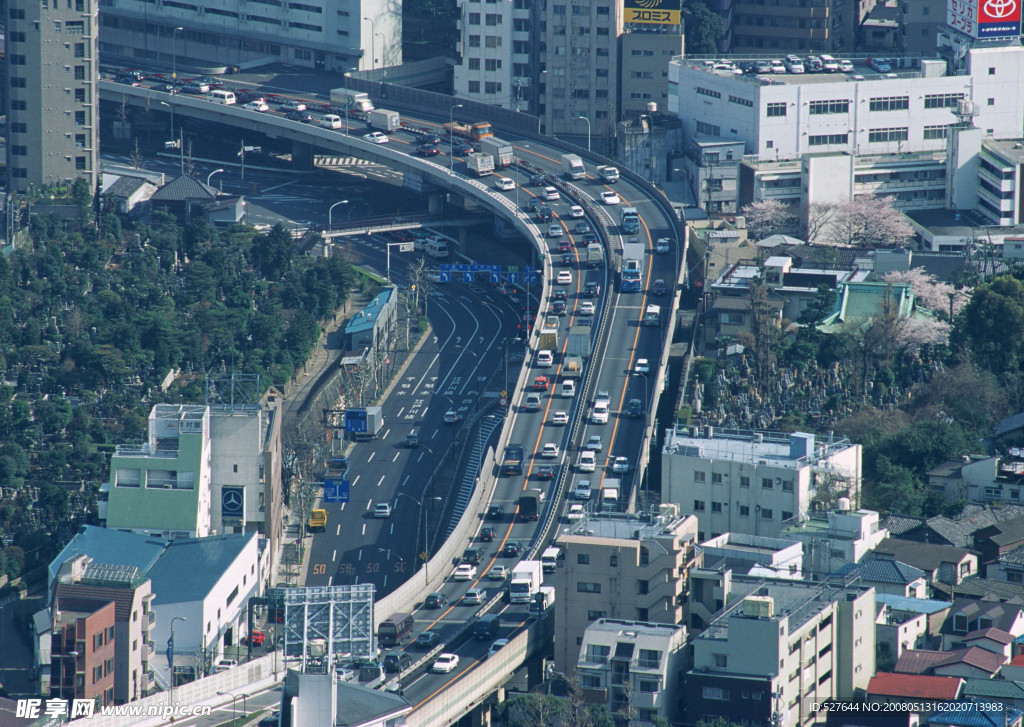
(983, 588)
(982, 479)
(971, 662)
(957, 531)
(939, 562)
(834, 537)
(997, 540)
(1010, 694)
(127, 194)
(909, 623)
(887, 576)
(888, 687)
(992, 639)
(969, 616)
(1010, 567)
(976, 714)
(1013, 670)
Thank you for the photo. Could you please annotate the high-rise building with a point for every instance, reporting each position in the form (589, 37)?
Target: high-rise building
(52, 98)
(333, 36)
(791, 26)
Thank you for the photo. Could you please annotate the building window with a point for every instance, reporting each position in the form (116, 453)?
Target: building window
(474, 64)
(492, 19)
(583, 558)
(826, 139)
(744, 481)
(474, 87)
(492, 64)
(942, 100)
(716, 507)
(745, 510)
(701, 91)
(79, 118)
(493, 41)
(17, 60)
(641, 588)
(960, 623)
(936, 132)
(1014, 576)
(597, 653)
(767, 483)
(741, 101)
(648, 686)
(584, 587)
(474, 41)
(715, 693)
(595, 615)
(80, 163)
(80, 95)
(474, 18)
(835, 106)
(777, 109)
(613, 561)
(766, 513)
(649, 659)
(19, 150)
(885, 135)
(17, 82)
(79, 73)
(698, 506)
(699, 477)
(787, 485)
(709, 129)
(716, 477)
(991, 102)
(889, 103)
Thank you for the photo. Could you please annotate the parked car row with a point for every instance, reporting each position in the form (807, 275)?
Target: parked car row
(792, 64)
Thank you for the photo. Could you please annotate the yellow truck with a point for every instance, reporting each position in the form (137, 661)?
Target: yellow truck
(317, 521)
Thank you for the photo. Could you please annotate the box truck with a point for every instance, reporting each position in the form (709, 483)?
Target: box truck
(595, 255)
(549, 559)
(501, 151)
(482, 164)
(526, 580)
(543, 599)
(384, 120)
(352, 100)
(572, 167)
(610, 495)
(549, 339)
(530, 503)
(579, 342)
(652, 315)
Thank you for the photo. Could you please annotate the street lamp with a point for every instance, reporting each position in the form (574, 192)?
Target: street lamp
(170, 658)
(451, 137)
(344, 76)
(174, 56)
(73, 655)
(383, 47)
(243, 695)
(423, 511)
(210, 175)
(330, 223)
(588, 129)
(373, 44)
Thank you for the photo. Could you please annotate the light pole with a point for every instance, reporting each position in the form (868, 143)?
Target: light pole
(373, 44)
(383, 47)
(210, 175)
(451, 137)
(402, 247)
(330, 218)
(170, 659)
(234, 697)
(423, 511)
(344, 75)
(174, 70)
(73, 655)
(588, 129)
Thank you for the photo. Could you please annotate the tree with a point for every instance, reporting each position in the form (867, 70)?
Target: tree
(531, 710)
(992, 324)
(868, 221)
(766, 217)
(940, 298)
(703, 28)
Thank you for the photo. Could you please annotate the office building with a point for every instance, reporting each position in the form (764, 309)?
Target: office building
(758, 483)
(834, 538)
(621, 567)
(778, 646)
(634, 666)
(52, 97)
(790, 26)
(363, 34)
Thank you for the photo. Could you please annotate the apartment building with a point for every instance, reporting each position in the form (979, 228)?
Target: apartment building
(331, 36)
(634, 666)
(778, 646)
(995, 479)
(621, 567)
(758, 483)
(791, 26)
(52, 99)
(754, 555)
(82, 579)
(836, 537)
(83, 649)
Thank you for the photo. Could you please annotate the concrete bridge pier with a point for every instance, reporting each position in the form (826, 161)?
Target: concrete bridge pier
(302, 155)
(435, 203)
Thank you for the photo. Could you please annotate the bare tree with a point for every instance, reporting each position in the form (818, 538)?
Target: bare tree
(814, 219)
(189, 166)
(137, 157)
(763, 336)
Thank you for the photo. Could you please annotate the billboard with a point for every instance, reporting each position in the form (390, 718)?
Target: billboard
(658, 12)
(985, 18)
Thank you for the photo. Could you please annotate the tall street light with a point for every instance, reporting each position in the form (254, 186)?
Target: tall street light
(348, 103)
(383, 47)
(451, 137)
(210, 175)
(243, 695)
(426, 550)
(330, 221)
(174, 70)
(170, 658)
(588, 129)
(373, 44)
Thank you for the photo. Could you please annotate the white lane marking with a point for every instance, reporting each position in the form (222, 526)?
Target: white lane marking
(370, 458)
(343, 510)
(392, 531)
(338, 531)
(356, 480)
(334, 555)
(396, 456)
(361, 550)
(385, 434)
(369, 503)
(400, 411)
(381, 481)
(402, 486)
(433, 435)
(421, 454)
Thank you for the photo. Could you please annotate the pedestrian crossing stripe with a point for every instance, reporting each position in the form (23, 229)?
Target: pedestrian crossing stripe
(326, 161)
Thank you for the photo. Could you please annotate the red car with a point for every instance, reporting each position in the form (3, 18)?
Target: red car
(564, 246)
(256, 637)
(541, 383)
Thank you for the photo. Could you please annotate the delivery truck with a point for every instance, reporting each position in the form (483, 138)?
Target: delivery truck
(501, 151)
(595, 255)
(572, 167)
(384, 120)
(351, 100)
(512, 461)
(549, 339)
(530, 503)
(542, 600)
(652, 315)
(475, 131)
(632, 272)
(549, 559)
(364, 423)
(482, 164)
(579, 342)
(526, 580)
(610, 495)
(572, 367)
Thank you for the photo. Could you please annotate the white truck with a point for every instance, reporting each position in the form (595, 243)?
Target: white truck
(482, 164)
(549, 559)
(501, 151)
(595, 255)
(572, 167)
(610, 495)
(526, 580)
(579, 342)
(608, 174)
(384, 120)
(352, 100)
(652, 315)
(542, 600)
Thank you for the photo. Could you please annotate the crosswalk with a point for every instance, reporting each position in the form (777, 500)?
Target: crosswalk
(472, 469)
(329, 161)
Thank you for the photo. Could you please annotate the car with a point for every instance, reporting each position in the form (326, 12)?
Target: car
(451, 417)
(564, 246)
(560, 417)
(428, 150)
(582, 490)
(793, 64)
(584, 321)
(497, 573)
(587, 462)
(257, 105)
(587, 308)
(430, 139)
(534, 204)
(505, 184)
(576, 512)
(555, 231)
(545, 358)
(591, 290)
(464, 572)
(445, 663)
(564, 277)
(609, 198)
(303, 116)
(271, 720)
(635, 409)
(545, 472)
(382, 510)
(427, 640)
(412, 440)
(620, 465)
(541, 383)
(293, 106)
(435, 600)
(166, 87)
(396, 661)
(828, 63)
(538, 180)
(196, 89)
(560, 294)
(567, 258)
(603, 397)
(813, 64)
(663, 245)
(256, 638)
(474, 597)
(495, 512)
(660, 288)
(761, 67)
(551, 194)
(581, 228)
(471, 556)
(497, 646)
(595, 443)
(576, 211)
(549, 450)
(643, 366)
(461, 148)
(879, 64)
(558, 307)
(129, 80)
(777, 67)
(845, 66)
(487, 534)
(375, 137)
(512, 549)
(544, 213)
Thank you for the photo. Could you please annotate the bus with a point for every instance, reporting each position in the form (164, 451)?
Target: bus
(630, 221)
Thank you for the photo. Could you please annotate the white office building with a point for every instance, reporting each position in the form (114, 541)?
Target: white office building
(758, 483)
(834, 538)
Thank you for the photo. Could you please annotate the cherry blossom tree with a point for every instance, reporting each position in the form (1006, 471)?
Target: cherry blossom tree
(868, 221)
(766, 217)
(942, 299)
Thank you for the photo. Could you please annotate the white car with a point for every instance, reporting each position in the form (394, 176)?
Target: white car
(620, 465)
(794, 64)
(293, 106)
(845, 66)
(497, 573)
(551, 194)
(382, 510)
(576, 512)
(445, 663)
(375, 137)
(582, 490)
(828, 63)
(555, 231)
(595, 443)
(496, 647)
(474, 597)
(465, 572)
(545, 358)
(568, 389)
(549, 451)
(777, 66)
(587, 462)
(879, 64)
(564, 277)
(610, 198)
(505, 184)
(257, 105)
(576, 211)
(560, 417)
(587, 308)
(643, 366)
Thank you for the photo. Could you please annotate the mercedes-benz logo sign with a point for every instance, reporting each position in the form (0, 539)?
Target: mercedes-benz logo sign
(232, 500)
(1000, 8)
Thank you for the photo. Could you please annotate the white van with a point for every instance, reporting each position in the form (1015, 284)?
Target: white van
(436, 248)
(219, 95)
(545, 358)
(549, 559)
(330, 121)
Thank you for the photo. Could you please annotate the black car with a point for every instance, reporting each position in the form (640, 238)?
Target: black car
(430, 139)
(534, 204)
(635, 409)
(544, 213)
(462, 148)
(271, 720)
(560, 294)
(558, 308)
(566, 258)
(487, 534)
(428, 150)
(428, 639)
(303, 116)
(495, 512)
(584, 321)
(539, 180)
(591, 290)
(512, 549)
(436, 600)
(471, 556)
(396, 661)
(545, 472)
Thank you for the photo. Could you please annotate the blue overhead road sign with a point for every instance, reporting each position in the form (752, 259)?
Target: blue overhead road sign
(467, 277)
(495, 277)
(444, 277)
(336, 489)
(355, 421)
(512, 278)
